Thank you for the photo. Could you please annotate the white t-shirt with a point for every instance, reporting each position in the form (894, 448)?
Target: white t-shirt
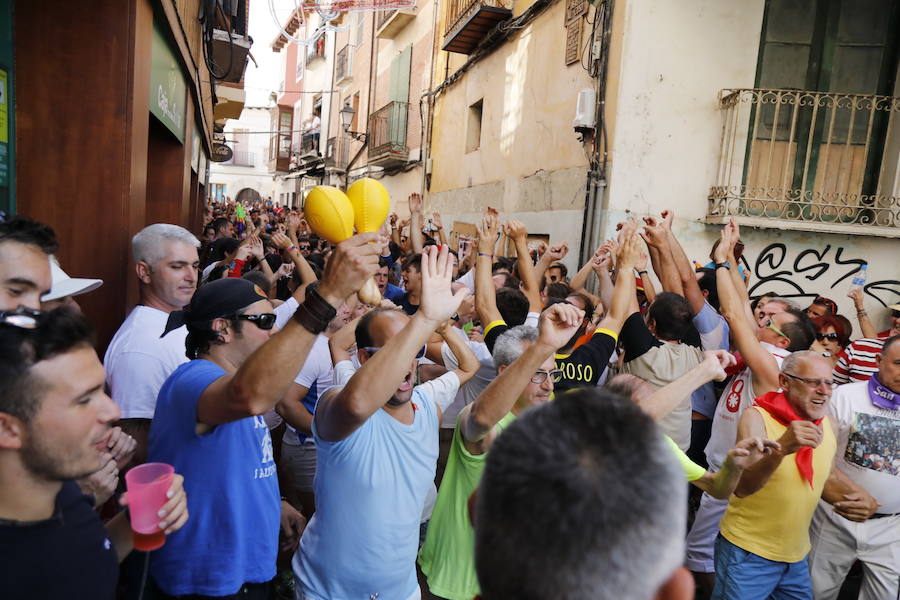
(317, 375)
(868, 443)
(473, 388)
(138, 361)
(736, 397)
(284, 312)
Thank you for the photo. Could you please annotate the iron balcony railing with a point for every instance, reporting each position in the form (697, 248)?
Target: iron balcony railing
(818, 157)
(387, 129)
(458, 10)
(342, 64)
(383, 16)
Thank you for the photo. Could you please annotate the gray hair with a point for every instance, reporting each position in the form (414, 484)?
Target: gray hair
(146, 245)
(793, 360)
(787, 303)
(512, 343)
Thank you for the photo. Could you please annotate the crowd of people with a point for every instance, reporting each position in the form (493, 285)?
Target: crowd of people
(494, 428)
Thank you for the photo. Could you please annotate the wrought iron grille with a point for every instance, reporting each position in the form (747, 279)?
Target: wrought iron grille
(458, 10)
(383, 17)
(387, 129)
(342, 64)
(809, 156)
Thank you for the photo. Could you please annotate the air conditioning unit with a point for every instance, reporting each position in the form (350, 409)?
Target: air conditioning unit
(229, 50)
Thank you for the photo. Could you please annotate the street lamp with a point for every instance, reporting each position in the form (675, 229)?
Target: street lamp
(347, 113)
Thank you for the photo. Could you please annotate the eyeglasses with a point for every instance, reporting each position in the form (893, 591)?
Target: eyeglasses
(303, 246)
(23, 317)
(541, 376)
(264, 321)
(373, 349)
(826, 336)
(773, 327)
(813, 382)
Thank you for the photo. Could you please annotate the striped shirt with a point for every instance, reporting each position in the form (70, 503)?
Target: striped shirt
(857, 361)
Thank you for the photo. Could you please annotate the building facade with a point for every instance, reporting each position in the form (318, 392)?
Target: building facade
(110, 125)
(246, 175)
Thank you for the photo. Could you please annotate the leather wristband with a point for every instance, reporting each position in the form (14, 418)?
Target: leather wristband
(315, 313)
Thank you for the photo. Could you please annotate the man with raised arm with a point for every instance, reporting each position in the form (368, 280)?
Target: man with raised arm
(762, 349)
(209, 424)
(377, 445)
(525, 361)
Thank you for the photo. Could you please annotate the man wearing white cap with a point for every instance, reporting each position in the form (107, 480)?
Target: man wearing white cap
(64, 288)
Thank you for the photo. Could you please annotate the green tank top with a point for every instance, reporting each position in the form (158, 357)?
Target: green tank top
(447, 557)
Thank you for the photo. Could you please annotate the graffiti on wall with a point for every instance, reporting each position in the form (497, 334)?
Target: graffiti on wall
(813, 272)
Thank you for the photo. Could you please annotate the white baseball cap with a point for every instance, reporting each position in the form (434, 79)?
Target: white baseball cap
(64, 286)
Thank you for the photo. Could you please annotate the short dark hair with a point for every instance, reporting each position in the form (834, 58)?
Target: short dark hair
(509, 281)
(564, 271)
(559, 289)
(513, 306)
(57, 332)
(200, 339)
(28, 231)
(220, 223)
(707, 283)
(362, 334)
(671, 315)
(801, 331)
(413, 261)
(605, 453)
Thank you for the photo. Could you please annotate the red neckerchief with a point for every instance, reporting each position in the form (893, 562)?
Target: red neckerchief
(777, 405)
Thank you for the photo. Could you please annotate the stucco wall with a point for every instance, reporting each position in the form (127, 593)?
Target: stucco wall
(675, 58)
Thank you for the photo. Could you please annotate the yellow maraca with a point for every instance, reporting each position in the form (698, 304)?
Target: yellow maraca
(371, 204)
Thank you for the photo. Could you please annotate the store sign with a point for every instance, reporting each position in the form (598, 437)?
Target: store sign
(168, 90)
(220, 153)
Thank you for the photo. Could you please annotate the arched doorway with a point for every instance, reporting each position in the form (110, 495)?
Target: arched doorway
(248, 195)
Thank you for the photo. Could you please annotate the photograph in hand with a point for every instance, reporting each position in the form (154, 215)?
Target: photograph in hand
(874, 443)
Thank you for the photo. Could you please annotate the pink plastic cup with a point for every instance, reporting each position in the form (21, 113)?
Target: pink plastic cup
(147, 486)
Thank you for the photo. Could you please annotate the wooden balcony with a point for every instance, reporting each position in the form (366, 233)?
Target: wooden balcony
(387, 135)
(468, 21)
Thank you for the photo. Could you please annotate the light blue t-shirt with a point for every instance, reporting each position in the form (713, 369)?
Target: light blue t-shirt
(714, 332)
(370, 491)
(231, 537)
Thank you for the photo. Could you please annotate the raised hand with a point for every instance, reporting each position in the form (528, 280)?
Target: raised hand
(293, 221)
(256, 247)
(559, 251)
(667, 217)
(750, 451)
(393, 219)
(856, 295)
(353, 262)
(415, 203)
(436, 219)
(285, 270)
(487, 233)
(516, 230)
(629, 249)
(279, 240)
(438, 302)
(654, 234)
(558, 324)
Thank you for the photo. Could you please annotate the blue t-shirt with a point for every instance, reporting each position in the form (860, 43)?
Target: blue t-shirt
(714, 332)
(231, 537)
(370, 491)
(391, 292)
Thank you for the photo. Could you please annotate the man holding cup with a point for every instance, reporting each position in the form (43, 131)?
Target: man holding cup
(209, 425)
(54, 416)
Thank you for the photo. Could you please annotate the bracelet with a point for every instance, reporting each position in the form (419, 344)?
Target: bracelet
(725, 264)
(642, 272)
(487, 255)
(292, 248)
(315, 313)
(861, 313)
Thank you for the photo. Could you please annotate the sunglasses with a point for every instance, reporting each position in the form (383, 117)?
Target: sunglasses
(373, 349)
(771, 325)
(23, 317)
(826, 336)
(264, 321)
(895, 314)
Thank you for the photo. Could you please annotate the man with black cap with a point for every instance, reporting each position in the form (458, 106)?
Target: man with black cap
(209, 423)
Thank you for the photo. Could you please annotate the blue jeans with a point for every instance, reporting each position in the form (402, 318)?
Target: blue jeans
(743, 575)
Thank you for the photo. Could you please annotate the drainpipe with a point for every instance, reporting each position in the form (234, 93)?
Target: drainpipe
(425, 152)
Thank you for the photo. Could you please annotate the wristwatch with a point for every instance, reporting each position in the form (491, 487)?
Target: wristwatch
(725, 264)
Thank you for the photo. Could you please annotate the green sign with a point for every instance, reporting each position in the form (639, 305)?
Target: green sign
(168, 90)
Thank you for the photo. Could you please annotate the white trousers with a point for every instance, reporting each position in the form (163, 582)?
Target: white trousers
(837, 543)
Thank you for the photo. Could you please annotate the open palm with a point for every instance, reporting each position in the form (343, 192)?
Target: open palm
(438, 302)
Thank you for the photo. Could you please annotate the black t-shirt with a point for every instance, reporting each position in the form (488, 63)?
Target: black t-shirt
(403, 302)
(67, 556)
(582, 368)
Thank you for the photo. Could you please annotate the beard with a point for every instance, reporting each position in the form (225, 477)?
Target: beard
(40, 460)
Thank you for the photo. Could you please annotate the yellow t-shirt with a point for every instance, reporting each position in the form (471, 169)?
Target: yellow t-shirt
(774, 521)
